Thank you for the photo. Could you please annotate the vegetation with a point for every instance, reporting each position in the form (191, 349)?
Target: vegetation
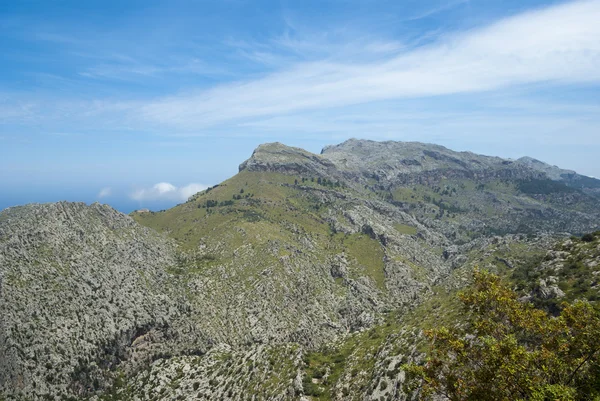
(353, 359)
(543, 187)
(405, 229)
(576, 277)
(508, 350)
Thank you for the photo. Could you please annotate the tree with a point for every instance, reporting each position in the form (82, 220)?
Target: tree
(509, 350)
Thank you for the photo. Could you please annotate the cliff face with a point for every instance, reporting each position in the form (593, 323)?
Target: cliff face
(285, 159)
(295, 254)
(460, 194)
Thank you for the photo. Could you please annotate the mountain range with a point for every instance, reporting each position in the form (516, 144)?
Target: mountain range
(304, 276)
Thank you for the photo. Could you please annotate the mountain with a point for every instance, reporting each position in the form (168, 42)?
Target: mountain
(570, 178)
(78, 283)
(302, 275)
(481, 194)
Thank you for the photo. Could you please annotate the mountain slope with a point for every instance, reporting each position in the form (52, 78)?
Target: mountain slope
(78, 284)
(570, 178)
(297, 262)
(465, 195)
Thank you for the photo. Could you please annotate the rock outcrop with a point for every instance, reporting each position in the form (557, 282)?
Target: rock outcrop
(78, 285)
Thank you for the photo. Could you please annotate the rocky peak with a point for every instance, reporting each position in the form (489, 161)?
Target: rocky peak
(391, 158)
(553, 172)
(277, 157)
(61, 212)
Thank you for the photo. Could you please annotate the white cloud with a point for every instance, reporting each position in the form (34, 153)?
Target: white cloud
(167, 191)
(370, 86)
(104, 192)
(558, 44)
(190, 190)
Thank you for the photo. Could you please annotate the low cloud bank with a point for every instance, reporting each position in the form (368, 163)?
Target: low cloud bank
(167, 191)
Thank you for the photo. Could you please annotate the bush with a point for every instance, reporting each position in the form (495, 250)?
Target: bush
(511, 350)
(543, 187)
(587, 238)
(311, 389)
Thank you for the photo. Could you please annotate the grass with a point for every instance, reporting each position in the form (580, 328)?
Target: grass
(441, 308)
(405, 229)
(366, 257)
(271, 198)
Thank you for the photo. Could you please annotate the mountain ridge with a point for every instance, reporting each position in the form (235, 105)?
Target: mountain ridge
(267, 155)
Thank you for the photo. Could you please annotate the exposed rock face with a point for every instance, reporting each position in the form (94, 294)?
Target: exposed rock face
(390, 159)
(77, 284)
(568, 271)
(484, 195)
(231, 294)
(261, 371)
(548, 289)
(282, 158)
(553, 172)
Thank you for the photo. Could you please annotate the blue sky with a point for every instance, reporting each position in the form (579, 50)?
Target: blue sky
(139, 103)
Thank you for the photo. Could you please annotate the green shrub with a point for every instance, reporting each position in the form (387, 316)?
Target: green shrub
(587, 238)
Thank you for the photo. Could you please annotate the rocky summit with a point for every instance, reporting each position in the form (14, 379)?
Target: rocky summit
(302, 277)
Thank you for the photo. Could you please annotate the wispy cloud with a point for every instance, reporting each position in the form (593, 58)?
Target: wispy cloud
(559, 44)
(167, 191)
(105, 192)
(141, 69)
(317, 81)
(436, 10)
(17, 110)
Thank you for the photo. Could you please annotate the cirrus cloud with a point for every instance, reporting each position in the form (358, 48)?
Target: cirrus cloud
(555, 45)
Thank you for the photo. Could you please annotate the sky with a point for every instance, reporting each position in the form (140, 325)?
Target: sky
(142, 103)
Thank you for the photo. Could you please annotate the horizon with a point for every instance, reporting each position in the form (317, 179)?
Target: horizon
(163, 195)
(138, 105)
